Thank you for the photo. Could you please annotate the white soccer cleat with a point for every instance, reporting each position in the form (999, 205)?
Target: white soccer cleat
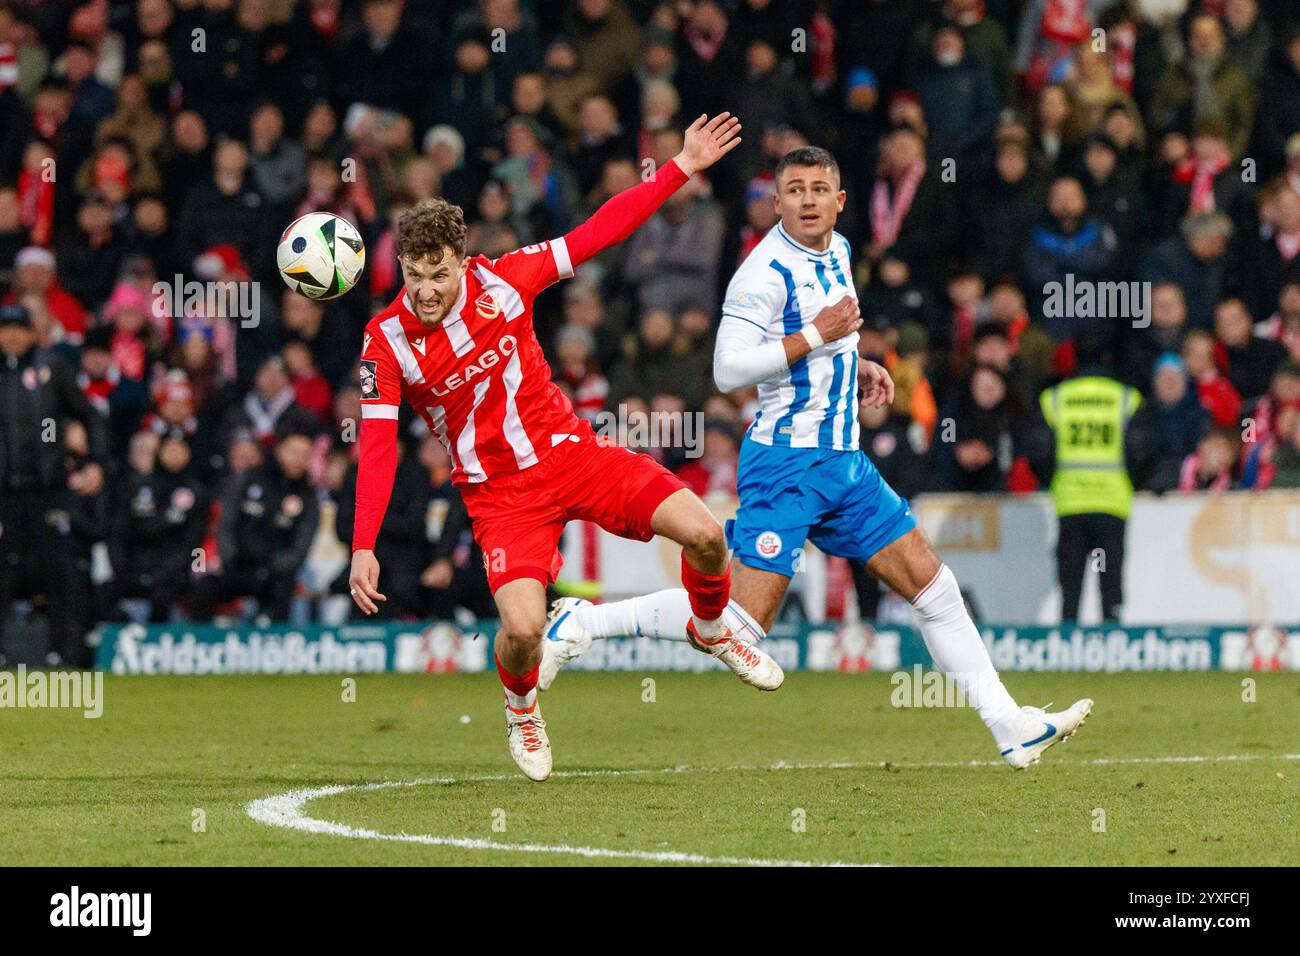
(562, 641)
(529, 745)
(755, 667)
(1040, 730)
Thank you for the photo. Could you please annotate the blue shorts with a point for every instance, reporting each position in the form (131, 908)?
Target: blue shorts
(835, 499)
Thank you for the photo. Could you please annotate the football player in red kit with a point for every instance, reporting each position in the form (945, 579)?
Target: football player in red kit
(458, 344)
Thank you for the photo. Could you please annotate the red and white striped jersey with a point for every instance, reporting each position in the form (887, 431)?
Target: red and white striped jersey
(478, 378)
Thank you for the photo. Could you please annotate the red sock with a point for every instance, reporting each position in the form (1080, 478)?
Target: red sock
(708, 592)
(518, 687)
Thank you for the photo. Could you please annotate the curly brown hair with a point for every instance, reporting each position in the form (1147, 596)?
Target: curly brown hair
(429, 228)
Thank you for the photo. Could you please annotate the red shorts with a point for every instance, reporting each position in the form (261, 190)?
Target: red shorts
(518, 518)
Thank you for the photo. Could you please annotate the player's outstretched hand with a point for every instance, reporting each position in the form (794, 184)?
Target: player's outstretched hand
(838, 320)
(364, 581)
(707, 141)
(876, 386)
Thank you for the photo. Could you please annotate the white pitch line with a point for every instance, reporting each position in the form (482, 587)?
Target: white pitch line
(287, 810)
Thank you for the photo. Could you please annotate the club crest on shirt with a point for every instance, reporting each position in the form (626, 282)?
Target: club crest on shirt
(369, 379)
(487, 306)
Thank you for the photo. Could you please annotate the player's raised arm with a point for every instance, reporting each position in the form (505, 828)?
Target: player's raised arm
(706, 141)
(532, 268)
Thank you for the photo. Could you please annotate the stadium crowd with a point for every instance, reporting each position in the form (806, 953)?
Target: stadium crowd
(992, 151)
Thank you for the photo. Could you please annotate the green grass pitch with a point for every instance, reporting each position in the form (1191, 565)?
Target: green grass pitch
(825, 770)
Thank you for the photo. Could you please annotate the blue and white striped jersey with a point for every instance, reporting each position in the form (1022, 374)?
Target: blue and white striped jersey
(780, 288)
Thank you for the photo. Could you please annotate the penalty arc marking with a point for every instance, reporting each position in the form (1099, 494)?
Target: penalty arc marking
(288, 810)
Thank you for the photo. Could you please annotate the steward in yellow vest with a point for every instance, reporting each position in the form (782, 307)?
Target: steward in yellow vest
(1089, 417)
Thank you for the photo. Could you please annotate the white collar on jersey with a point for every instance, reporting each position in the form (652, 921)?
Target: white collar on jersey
(780, 229)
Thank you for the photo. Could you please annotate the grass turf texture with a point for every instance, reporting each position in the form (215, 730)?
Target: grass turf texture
(122, 789)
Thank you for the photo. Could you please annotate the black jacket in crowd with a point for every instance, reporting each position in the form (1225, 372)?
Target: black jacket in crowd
(267, 521)
(158, 521)
(36, 389)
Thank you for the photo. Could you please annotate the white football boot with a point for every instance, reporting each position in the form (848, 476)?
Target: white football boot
(753, 666)
(1042, 729)
(529, 746)
(562, 641)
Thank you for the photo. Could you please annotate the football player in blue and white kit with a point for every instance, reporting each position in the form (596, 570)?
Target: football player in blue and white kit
(789, 325)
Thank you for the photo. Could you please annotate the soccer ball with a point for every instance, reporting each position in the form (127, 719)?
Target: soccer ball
(320, 255)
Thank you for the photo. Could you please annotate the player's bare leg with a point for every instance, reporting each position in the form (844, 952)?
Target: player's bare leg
(758, 591)
(911, 568)
(521, 604)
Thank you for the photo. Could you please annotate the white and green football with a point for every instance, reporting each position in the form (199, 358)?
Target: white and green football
(320, 255)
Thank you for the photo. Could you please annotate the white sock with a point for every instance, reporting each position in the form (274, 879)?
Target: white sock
(954, 643)
(521, 702)
(662, 614)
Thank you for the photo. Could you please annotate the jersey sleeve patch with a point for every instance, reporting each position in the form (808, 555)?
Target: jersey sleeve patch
(369, 380)
(753, 298)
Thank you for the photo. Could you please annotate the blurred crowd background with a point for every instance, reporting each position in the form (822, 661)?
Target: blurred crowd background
(990, 148)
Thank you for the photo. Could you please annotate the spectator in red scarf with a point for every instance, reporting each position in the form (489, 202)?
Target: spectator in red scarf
(706, 50)
(133, 339)
(10, 41)
(50, 111)
(36, 191)
(1264, 427)
(1215, 391)
(1249, 360)
(1210, 467)
(913, 219)
(122, 401)
(310, 389)
(1284, 324)
(1206, 181)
